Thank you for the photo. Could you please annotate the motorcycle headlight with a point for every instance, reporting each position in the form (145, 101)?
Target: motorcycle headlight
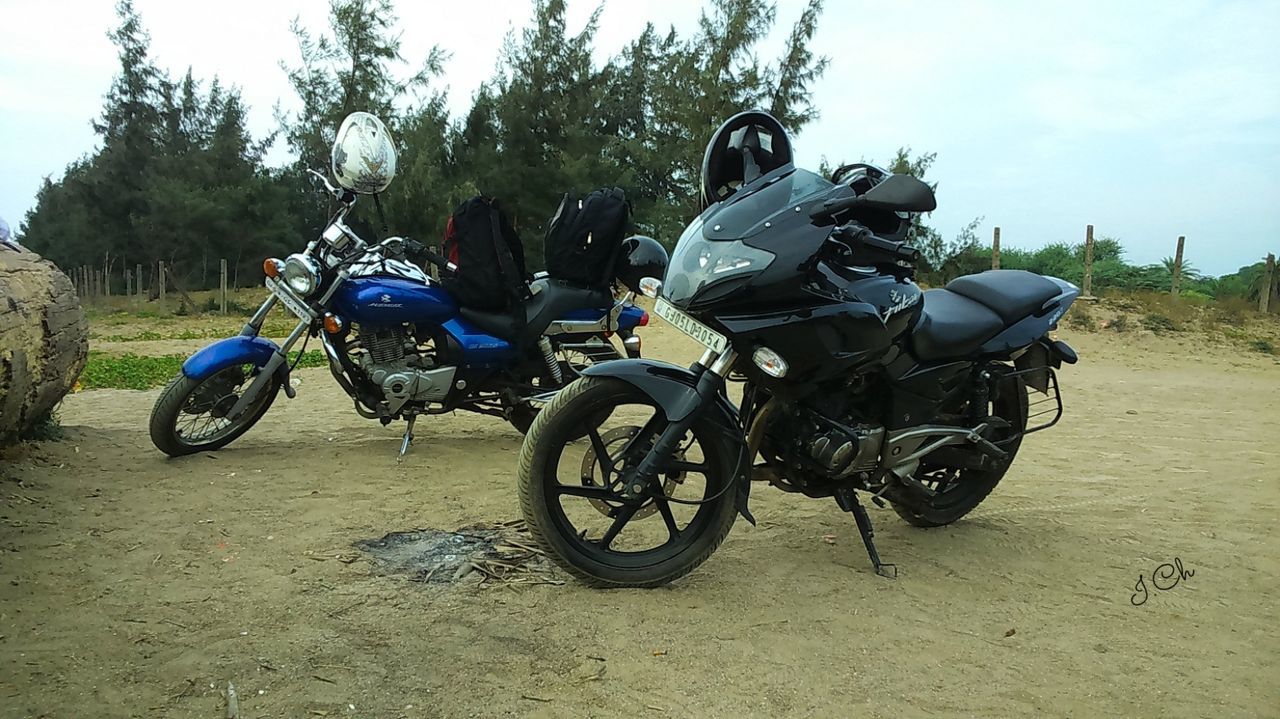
(301, 274)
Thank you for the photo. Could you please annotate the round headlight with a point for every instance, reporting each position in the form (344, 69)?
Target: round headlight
(301, 274)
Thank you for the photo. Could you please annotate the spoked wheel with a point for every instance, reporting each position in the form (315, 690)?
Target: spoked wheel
(574, 357)
(955, 491)
(192, 416)
(586, 509)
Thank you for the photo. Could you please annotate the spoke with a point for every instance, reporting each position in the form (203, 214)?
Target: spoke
(601, 493)
(623, 516)
(664, 508)
(602, 454)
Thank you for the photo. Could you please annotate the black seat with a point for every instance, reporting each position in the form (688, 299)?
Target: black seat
(554, 300)
(952, 325)
(1013, 294)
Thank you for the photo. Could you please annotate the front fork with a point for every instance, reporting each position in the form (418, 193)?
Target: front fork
(681, 418)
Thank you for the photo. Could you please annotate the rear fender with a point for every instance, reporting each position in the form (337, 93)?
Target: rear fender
(671, 387)
(229, 352)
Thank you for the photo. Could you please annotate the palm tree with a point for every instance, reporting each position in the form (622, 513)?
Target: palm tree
(1189, 272)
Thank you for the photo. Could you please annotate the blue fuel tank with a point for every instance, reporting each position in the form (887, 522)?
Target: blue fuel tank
(373, 301)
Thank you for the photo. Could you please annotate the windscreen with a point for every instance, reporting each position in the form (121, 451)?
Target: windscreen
(746, 213)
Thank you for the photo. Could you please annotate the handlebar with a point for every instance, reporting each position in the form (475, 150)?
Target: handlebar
(854, 236)
(413, 248)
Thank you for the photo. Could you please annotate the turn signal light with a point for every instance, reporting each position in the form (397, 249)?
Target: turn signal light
(271, 267)
(332, 323)
(770, 362)
(650, 286)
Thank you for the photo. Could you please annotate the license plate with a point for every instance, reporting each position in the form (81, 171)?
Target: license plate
(290, 300)
(688, 325)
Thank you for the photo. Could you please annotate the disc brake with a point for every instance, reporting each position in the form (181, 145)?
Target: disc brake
(618, 438)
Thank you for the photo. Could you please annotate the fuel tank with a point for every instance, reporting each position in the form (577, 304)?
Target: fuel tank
(373, 301)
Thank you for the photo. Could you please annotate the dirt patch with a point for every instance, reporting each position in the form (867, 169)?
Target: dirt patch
(134, 585)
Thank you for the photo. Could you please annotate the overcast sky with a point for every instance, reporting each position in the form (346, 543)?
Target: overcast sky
(1147, 119)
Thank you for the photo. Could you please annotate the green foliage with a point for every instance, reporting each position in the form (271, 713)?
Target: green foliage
(1263, 346)
(177, 178)
(131, 371)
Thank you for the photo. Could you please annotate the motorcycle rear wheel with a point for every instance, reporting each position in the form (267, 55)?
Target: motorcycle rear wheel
(522, 415)
(965, 489)
(603, 562)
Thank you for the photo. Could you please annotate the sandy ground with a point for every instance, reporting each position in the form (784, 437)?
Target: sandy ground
(137, 586)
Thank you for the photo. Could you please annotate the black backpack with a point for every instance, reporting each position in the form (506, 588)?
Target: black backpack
(489, 255)
(584, 236)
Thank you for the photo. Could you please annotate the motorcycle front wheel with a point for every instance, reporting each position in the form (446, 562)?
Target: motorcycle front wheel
(574, 503)
(191, 415)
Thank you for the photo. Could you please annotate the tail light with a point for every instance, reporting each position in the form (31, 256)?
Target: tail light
(644, 320)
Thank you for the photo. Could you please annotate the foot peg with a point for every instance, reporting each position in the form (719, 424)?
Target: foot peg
(408, 438)
(848, 501)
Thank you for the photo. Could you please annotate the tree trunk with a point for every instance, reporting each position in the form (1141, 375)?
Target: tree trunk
(43, 339)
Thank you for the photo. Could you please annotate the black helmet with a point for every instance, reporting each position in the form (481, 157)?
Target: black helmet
(640, 257)
(746, 146)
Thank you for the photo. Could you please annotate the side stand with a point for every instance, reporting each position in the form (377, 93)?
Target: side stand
(408, 438)
(848, 501)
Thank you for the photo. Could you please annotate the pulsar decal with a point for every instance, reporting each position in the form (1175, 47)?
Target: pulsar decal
(901, 301)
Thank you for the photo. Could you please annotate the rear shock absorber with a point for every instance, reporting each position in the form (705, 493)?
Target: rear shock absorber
(549, 356)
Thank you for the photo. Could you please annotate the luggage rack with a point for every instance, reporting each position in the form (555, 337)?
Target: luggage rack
(1047, 403)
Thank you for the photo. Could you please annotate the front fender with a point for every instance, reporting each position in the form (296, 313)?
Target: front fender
(670, 386)
(666, 384)
(229, 352)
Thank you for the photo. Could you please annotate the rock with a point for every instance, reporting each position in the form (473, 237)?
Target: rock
(43, 339)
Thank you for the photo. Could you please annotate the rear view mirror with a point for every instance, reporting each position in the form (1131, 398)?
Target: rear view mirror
(900, 193)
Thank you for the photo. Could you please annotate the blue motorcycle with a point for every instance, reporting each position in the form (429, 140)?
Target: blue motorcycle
(397, 341)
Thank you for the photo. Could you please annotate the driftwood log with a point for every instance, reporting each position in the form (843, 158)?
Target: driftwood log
(43, 339)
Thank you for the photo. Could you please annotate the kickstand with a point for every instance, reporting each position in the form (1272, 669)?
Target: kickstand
(408, 438)
(848, 501)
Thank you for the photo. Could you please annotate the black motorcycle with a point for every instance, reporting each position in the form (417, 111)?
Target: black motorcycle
(854, 380)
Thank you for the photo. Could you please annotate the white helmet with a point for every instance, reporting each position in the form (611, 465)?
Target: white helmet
(364, 157)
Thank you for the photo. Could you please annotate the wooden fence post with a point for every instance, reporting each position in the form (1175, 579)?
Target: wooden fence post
(1177, 268)
(106, 279)
(137, 272)
(1088, 261)
(1268, 284)
(995, 250)
(223, 285)
(161, 277)
(128, 283)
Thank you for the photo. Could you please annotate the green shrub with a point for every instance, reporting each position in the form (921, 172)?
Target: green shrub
(131, 371)
(1263, 346)
(1196, 297)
